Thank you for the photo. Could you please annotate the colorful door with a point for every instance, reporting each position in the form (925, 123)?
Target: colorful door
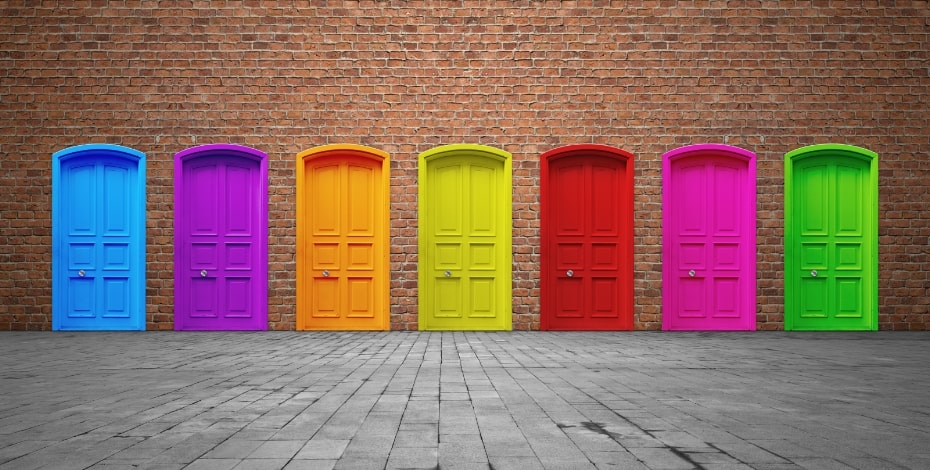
(831, 238)
(709, 238)
(587, 238)
(98, 238)
(221, 238)
(342, 238)
(465, 238)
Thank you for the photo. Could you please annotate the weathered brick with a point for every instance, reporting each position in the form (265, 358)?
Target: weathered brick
(405, 76)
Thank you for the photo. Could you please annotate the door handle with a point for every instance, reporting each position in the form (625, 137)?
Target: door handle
(691, 273)
(570, 273)
(203, 273)
(813, 273)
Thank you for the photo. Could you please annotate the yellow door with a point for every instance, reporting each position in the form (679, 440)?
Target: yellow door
(465, 238)
(342, 238)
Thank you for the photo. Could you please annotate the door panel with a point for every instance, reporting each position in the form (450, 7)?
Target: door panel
(221, 238)
(708, 226)
(342, 280)
(98, 238)
(465, 247)
(586, 238)
(830, 237)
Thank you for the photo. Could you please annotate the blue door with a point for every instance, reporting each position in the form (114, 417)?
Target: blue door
(98, 238)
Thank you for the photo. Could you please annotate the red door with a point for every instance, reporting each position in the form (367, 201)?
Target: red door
(587, 238)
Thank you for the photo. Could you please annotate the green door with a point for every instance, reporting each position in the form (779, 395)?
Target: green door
(831, 238)
(465, 238)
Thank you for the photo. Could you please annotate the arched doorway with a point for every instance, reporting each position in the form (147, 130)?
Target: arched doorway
(831, 238)
(709, 238)
(343, 251)
(586, 238)
(465, 223)
(98, 238)
(221, 238)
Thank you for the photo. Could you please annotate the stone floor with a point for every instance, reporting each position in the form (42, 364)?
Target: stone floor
(464, 400)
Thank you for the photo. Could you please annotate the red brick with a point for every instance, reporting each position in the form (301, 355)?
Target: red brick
(406, 76)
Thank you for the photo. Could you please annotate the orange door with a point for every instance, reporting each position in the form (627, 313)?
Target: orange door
(342, 238)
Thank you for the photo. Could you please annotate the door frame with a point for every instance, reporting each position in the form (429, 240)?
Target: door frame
(505, 257)
(625, 240)
(181, 159)
(749, 215)
(341, 151)
(833, 151)
(137, 255)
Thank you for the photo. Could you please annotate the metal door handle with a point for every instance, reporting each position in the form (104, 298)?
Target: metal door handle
(81, 273)
(813, 273)
(325, 273)
(691, 273)
(203, 273)
(570, 273)
(447, 273)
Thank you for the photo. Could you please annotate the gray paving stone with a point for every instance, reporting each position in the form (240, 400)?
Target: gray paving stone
(276, 450)
(213, 464)
(425, 458)
(233, 449)
(310, 465)
(322, 449)
(262, 464)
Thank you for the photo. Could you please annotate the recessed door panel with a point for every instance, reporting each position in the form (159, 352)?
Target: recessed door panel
(342, 238)
(465, 241)
(82, 298)
(587, 222)
(361, 294)
(221, 238)
(708, 238)
(831, 247)
(98, 238)
(115, 296)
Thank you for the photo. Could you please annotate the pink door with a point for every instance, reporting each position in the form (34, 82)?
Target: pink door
(221, 239)
(708, 238)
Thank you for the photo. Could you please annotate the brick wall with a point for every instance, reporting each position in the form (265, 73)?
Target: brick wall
(405, 76)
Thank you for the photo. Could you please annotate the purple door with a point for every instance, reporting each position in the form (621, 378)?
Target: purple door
(708, 238)
(221, 238)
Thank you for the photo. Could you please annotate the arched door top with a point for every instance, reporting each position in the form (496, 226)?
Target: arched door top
(117, 151)
(468, 149)
(588, 149)
(703, 149)
(209, 150)
(833, 149)
(343, 149)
